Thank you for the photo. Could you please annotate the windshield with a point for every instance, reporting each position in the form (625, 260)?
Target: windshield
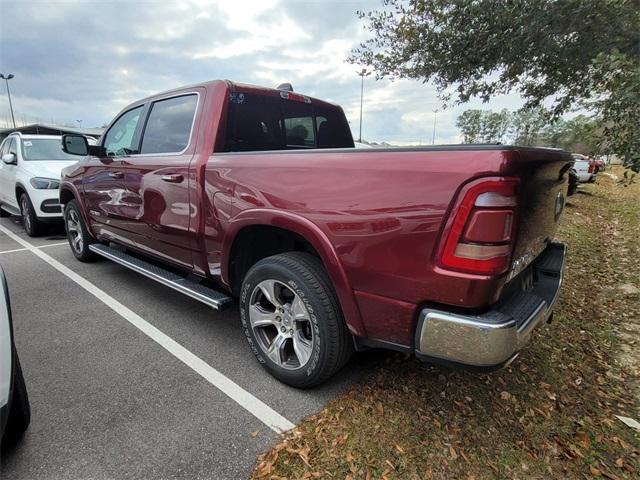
(44, 149)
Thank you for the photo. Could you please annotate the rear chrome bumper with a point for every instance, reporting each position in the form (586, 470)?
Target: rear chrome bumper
(493, 339)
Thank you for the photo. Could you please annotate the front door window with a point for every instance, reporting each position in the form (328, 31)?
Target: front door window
(119, 140)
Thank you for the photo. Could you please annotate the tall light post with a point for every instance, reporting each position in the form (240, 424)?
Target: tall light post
(363, 73)
(6, 78)
(433, 138)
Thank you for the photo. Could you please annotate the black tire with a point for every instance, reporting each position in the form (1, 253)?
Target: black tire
(304, 275)
(19, 410)
(30, 222)
(73, 219)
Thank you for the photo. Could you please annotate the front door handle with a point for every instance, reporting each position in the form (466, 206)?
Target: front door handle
(173, 178)
(116, 174)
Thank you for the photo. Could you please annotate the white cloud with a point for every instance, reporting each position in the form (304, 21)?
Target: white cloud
(98, 58)
(244, 19)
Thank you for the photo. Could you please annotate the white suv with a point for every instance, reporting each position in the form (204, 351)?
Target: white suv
(30, 177)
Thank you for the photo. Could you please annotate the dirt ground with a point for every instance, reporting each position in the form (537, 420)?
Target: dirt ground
(550, 414)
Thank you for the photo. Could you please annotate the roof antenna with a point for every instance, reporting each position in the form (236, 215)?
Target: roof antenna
(287, 87)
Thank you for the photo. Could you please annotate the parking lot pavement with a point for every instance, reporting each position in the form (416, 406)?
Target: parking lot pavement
(110, 400)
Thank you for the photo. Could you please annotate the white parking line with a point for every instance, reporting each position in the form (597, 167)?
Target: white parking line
(41, 246)
(246, 400)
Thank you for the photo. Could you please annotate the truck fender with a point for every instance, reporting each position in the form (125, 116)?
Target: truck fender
(71, 188)
(316, 237)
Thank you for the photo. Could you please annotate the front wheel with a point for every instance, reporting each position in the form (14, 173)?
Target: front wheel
(77, 233)
(292, 319)
(32, 225)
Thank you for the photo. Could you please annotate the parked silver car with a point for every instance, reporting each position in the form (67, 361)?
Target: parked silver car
(15, 412)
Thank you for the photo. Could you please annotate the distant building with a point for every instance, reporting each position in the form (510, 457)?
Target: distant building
(50, 129)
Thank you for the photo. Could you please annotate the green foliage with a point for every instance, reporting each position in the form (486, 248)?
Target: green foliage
(470, 124)
(531, 127)
(618, 105)
(580, 134)
(571, 52)
(481, 126)
(527, 125)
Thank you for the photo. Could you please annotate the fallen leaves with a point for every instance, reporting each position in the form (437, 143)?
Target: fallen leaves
(453, 453)
(583, 439)
(629, 422)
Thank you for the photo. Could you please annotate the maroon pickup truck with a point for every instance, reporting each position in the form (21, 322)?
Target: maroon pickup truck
(223, 190)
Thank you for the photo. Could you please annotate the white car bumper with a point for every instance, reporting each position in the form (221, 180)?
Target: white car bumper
(46, 203)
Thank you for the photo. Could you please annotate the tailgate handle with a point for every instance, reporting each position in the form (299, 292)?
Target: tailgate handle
(174, 178)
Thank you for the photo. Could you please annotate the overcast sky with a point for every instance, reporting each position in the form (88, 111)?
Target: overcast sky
(86, 60)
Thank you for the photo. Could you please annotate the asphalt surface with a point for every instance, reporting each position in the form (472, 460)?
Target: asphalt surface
(108, 402)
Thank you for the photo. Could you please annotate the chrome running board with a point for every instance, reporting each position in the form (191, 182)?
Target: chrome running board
(193, 289)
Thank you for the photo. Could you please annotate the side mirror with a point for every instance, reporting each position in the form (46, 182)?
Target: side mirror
(75, 145)
(78, 145)
(9, 158)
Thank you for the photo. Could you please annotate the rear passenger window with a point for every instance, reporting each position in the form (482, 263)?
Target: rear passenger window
(264, 122)
(168, 128)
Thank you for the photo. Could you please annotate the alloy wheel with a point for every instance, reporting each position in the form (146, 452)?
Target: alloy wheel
(74, 231)
(281, 324)
(26, 218)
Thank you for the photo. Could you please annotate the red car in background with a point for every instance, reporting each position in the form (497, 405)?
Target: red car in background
(598, 164)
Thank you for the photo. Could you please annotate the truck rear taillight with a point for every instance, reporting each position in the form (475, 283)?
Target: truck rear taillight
(479, 238)
(592, 166)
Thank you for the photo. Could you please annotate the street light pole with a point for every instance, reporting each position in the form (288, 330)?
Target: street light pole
(6, 79)
(363, 73)
(433, 138)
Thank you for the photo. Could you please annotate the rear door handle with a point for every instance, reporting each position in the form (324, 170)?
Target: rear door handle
(173, 178)
(116, 174)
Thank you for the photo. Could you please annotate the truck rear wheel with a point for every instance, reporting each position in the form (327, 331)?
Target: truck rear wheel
(292, 319)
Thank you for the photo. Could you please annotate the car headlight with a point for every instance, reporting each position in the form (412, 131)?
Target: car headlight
(45, 183)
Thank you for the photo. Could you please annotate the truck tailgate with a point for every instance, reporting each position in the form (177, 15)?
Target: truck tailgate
(543, 188)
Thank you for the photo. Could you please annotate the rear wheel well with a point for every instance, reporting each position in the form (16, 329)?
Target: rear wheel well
(254, 243)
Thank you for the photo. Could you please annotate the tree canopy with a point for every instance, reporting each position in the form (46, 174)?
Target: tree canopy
(531, 127)
(569, 53)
